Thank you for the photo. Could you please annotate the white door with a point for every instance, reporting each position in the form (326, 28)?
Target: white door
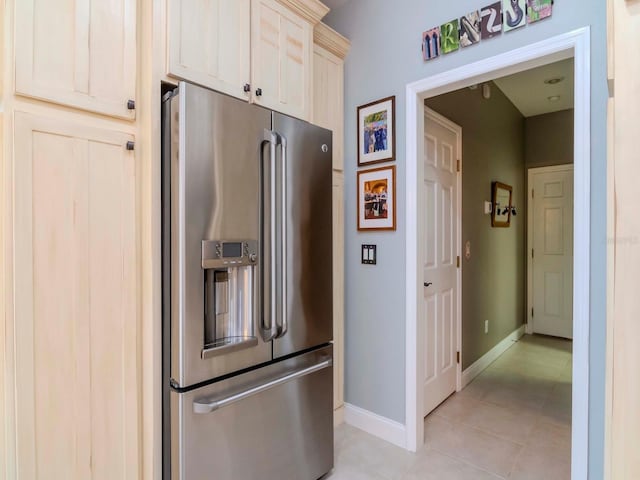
(551, 250)
(442, 146)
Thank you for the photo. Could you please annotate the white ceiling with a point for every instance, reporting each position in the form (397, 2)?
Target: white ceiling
(332, 4)
(528, 92)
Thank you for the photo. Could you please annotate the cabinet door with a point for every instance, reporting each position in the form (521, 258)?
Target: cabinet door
(281, 59)
(338, 289)
(76, 302)
(328, 99)
(80, 53)
(209, 43)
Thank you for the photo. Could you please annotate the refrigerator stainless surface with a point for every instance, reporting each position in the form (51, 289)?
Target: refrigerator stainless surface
(264, 425)
(247, 291)
(215, 195)
(309, 292)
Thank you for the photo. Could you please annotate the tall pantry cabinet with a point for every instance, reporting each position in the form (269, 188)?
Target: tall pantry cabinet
(330, 50)
(71, 324)
(80, 316)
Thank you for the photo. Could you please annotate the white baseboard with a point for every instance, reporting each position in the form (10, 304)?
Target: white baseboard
(381, 427)
(488, 358)
(338, 416)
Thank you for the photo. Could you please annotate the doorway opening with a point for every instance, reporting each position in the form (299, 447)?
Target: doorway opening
(574, 45)
(515, 397)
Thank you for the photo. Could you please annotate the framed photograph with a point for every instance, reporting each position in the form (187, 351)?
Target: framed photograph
(501, 195)
(377, 199)
(376, 130)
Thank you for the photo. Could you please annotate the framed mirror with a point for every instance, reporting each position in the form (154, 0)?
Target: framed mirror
(501, 204)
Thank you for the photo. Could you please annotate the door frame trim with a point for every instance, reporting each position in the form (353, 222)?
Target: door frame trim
(566, 167)
(444, 121)
(574, 44)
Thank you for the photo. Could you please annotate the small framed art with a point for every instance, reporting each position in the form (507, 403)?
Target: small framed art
(376, 130)
(377, 199)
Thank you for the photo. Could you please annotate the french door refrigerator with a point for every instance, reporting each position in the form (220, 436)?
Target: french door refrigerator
(247, 291)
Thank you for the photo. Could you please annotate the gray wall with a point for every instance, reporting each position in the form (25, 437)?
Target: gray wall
(385, 56)
(493, 279)
(549, 139)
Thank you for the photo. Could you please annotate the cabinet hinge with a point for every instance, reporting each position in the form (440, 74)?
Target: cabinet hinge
(458, 261)
(458, 357)
(532, 312)
(457, 165)
(532, 194)
(532, 253)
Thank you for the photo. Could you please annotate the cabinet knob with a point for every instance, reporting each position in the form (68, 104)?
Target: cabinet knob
(130, 145)
(246, 88)
(258, 92)
(131, 104)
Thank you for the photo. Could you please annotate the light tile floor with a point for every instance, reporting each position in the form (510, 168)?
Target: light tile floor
(512, 422)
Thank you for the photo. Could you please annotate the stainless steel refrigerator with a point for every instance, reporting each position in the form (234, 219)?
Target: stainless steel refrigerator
(247, 291)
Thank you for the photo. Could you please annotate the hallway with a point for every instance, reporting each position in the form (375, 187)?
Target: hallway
(512, 422)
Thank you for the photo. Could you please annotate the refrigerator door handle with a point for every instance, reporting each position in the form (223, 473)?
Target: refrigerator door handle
(270, 327)
(282, 328)
(211, 405)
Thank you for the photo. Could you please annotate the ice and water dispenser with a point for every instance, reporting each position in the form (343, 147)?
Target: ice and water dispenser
(229, 295)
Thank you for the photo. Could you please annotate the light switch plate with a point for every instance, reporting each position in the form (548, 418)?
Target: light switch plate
(369, 254)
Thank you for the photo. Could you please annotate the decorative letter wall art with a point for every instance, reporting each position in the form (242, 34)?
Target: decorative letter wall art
(491, 24)
(514, 14)
(488, 22)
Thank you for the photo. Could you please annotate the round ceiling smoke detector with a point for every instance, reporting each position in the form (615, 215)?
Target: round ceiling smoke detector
(554, 98)
(553, 81)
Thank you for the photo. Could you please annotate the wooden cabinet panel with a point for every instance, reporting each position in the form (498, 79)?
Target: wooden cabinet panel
(338, 289)
(328, 99)
(80, 53)
(209, 43)
(281, 61)
(76, 302)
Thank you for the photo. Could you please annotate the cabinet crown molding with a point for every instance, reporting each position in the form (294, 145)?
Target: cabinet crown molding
(311, 10)
(327, 38)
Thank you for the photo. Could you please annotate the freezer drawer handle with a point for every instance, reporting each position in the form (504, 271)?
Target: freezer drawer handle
(203, 407)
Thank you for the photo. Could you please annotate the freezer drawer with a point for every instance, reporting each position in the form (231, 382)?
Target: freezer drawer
(274, 423)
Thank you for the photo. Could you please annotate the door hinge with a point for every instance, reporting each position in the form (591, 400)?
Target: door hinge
(457, 165)
(458, 357)
(531, 312)
(458, 261)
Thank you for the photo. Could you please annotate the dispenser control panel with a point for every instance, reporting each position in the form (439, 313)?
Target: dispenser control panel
(225, 254)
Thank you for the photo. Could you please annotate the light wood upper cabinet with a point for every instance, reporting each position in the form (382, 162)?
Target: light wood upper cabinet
(79, 53)
(209, 43)
(328, 95)
(77, 302)
(330, 50)
(281, 59)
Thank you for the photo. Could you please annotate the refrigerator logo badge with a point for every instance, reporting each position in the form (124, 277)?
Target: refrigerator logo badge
(324, 148)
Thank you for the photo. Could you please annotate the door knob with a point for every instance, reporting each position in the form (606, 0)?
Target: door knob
(427, 284)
